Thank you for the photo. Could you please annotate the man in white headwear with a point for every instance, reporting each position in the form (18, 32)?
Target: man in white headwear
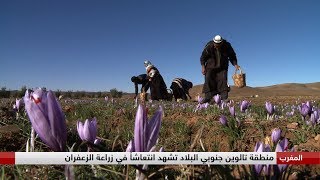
(214, 63)
(158, 87)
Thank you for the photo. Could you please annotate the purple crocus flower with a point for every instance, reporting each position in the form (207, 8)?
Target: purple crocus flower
(146, 131)
(223, 104)
(244, 105)
(223, 120)
(232, 111)
(259, 147)
(161, 149)
(87, 130)
(308, 103)
(304, 110)
(289, 114)
(19, 103)
(14, 107)
(314, 117)
(199, 98)
(269, 108)
(129, 147)
(47, 118)
(201, 106)
(267, 168)
(282, 146)
(275, 135)
(217, 99)
(97, 141)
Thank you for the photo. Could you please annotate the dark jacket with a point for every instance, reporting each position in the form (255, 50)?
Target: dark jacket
(143, 80)
(182, 83)
(180, 88)
(158, 88)
(210, 59)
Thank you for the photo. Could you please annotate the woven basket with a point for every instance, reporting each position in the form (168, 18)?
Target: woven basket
(239, 79)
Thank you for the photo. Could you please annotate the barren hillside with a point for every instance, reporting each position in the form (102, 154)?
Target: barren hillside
(288, 89)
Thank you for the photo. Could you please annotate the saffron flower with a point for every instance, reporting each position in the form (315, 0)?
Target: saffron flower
(282, 146)
(199, 98)
(19, 104)
(260, 147)
(314, 117)
(290, 114)
(146, 131)
(244, 105)
(223, 120)
(217, 99)
(47, 118)
(87, 130)
(270, 108)
(223, 104)
(201, 106)
(146, 134)
(232, 111)
(275, 135)
(305, 109)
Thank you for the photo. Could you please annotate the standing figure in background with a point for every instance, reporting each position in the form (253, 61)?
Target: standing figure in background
(215, 62)
(143, 80)
(158, 88)
(180, 88)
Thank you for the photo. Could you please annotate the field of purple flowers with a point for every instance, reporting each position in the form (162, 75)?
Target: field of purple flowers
(41, 122)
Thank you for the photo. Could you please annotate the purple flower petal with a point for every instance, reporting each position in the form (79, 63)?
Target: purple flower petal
(47, 118)
(232, 111)
(275, 135)
(269, 108)
(139, 129)
(88, 130)
(153, 128)
(223, 120)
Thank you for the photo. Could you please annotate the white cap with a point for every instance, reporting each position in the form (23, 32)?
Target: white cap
(217, 39)
(146, 63)
(149, 66)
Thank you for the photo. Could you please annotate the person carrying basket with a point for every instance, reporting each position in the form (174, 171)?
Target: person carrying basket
(215, 62)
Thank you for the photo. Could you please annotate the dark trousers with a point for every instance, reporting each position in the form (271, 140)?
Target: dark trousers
(216, 82)
(158, 88)
(145, 87)
(178, 92)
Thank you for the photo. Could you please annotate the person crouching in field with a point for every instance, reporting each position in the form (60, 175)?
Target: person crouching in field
(143, 80)
(180, 88)
(158, 88)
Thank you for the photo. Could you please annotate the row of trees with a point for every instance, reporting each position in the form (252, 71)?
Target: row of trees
(4, 93)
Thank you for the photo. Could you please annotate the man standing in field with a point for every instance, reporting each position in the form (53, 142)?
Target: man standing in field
(215, 62)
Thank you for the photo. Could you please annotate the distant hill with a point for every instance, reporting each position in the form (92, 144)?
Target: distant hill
(287, 89)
